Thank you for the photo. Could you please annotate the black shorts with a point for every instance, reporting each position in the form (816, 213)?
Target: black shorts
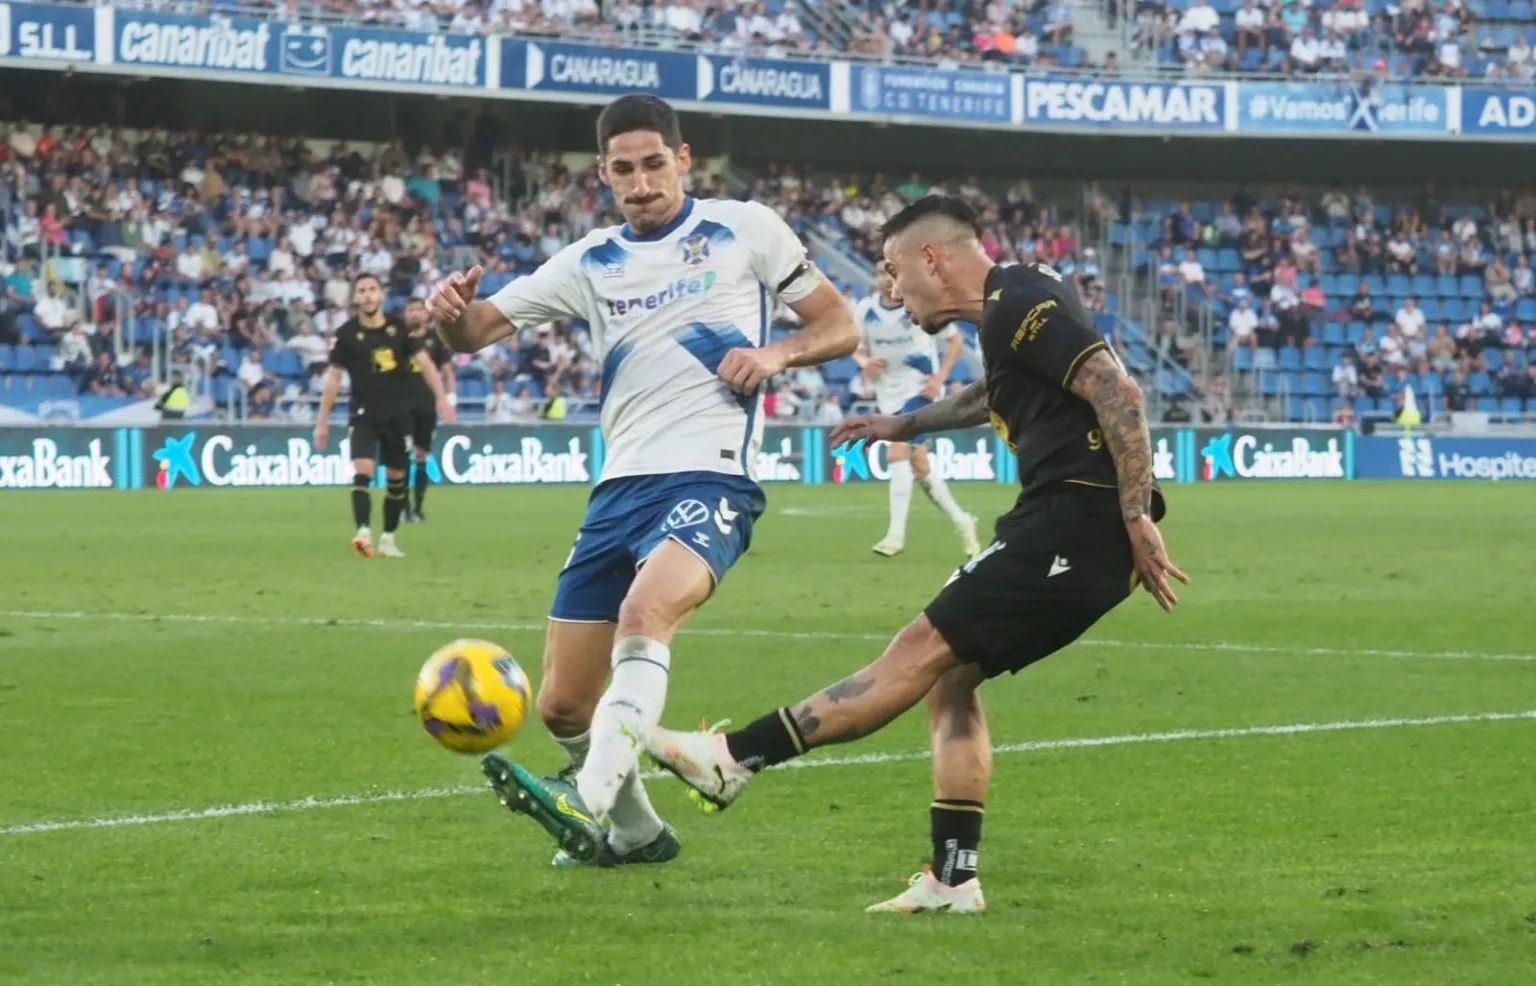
(381, 438)
(1058, 563)
(423, 424)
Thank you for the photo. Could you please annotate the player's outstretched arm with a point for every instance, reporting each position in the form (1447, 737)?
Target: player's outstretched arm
(962, 410)
(466, 325)
(1117, 401)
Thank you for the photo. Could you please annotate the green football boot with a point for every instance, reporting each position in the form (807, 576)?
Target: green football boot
(662, 849)
(552, 802)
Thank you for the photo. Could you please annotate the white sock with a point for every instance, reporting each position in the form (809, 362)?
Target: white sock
(575, 747)
(364, 533)
(938, 492)
(636, 693)
(901, 499)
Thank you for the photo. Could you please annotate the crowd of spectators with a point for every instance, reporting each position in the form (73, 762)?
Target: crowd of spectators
(1347, 301)
(1378, 39)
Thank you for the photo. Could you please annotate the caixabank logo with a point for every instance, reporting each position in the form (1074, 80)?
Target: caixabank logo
(1244, 455)
(219, 460)
(969, 458)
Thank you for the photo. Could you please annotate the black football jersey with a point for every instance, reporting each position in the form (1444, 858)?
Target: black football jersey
(438, 352)
(1035, 334)
(378, 360)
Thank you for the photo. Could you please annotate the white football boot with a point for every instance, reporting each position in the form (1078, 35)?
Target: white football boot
(925, 893)
(388, 548)
(699, 760)
(362, 543)
(889, 547)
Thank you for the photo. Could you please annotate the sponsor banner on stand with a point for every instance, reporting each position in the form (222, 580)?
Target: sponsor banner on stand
(48, 33)
(370, 57)
(982, 97)
(245, 456)
(765, 82)
(1343, 107)
(1496, 459)
(1498, 112)
(1273, 453)
(575, 68)
(972, 455)
(1105, 103)
(63, 458)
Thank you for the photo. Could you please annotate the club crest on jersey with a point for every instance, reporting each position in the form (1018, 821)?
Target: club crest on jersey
(695, 249)
(689, 513)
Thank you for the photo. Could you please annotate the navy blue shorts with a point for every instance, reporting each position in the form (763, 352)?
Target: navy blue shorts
(710, 514)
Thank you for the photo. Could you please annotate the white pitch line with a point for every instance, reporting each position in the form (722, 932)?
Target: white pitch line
(1031, 746)
(456, 625)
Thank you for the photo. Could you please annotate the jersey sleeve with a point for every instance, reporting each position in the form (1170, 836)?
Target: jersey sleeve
(556, 290)
(1042, 334)
(339, 350)
(778, 257)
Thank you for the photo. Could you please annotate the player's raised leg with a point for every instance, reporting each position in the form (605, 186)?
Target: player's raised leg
(938, 493)
(719, 766)
(962, 771)
(899, 489)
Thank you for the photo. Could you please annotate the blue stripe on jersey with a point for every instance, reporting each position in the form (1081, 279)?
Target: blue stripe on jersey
(716, 233)
(709, 343)
(607, 258)
(922, 364)
(661, 231)
(756, 399)
(611, 362)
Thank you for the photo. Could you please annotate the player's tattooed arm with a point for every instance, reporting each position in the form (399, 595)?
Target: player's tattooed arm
(1117, 400)
(962, 410)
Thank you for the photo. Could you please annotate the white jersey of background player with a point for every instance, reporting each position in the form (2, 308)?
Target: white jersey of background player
(908, 373)
(678, 300)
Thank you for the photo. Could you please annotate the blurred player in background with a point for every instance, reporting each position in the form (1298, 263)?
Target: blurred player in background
(679, 300)
(378, 354)
(903, 361)
(1081, 536)
(423, 403)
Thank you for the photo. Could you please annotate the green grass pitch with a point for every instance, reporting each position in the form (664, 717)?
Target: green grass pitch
(1393, 852)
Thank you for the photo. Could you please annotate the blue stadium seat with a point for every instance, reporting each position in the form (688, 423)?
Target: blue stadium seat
(840, 371)
(1398, 284)
(1315, 358)
(1315, 385)
(1242, 359)
(1432, 384)
(1455, 310)
(1290, 358)
(1431, 309)
(1375, 284)
(221, 389)
(1510, 405)
(1525, 310)
(1495, 359)
(1423, 286)
(1333, 334)
(1355, 333)
(1446, 286)
(1471, 287)
(1480, 384)
(1364, 405)
(1269, 384)
(7, 359)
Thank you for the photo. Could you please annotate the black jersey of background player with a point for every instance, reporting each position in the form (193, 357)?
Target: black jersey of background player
(440, 355)
(1035, 333)
(378, 361)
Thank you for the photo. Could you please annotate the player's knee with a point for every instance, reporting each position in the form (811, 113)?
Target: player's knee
(421, 456)
(361, 480)
(919, 467)
(563, 713)
(646, 614)
(396, 483)
(954, 704)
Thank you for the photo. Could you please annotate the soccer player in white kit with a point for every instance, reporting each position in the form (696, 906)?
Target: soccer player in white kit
(678, 300)
(904, 362)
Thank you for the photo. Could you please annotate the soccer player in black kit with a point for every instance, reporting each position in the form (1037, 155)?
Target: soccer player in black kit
(1082, 535)
(377, 353)
(423, 402)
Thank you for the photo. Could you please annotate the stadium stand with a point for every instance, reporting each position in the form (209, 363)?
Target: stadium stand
(229, 259)
(1380, 41)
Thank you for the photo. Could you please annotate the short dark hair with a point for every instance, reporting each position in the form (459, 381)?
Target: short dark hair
(365, 276)
(949, 206)
(638, 111)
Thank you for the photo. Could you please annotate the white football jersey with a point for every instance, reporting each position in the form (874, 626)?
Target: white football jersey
(664, 308)
(908, 353)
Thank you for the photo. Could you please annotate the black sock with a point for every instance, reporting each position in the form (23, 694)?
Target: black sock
(772, 739)
(362, 503)
(394, 503)
(421, 484)
(956, 839)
